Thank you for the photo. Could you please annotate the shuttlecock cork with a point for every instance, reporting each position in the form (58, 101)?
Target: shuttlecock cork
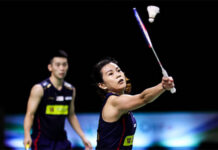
(152, 12)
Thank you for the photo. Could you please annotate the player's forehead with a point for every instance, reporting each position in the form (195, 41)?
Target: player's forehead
(109, 67)
(59, 60)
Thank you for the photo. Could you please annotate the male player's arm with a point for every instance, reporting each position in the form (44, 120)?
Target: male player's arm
(72, 118)
(32, 105)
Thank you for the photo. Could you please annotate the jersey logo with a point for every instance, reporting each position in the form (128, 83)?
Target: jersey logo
(128, 140)
(67, 98)
(60, 98)
(68, 85)
(56, 110)
(45, 83)
(51, 98)
(48, 86)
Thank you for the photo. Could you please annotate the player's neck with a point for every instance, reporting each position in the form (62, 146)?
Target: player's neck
(116, 92)
(56, 82)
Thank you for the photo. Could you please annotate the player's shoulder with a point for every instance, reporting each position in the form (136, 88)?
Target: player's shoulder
(68, 85)
(111, 98)
(45, 84)
(37, 88)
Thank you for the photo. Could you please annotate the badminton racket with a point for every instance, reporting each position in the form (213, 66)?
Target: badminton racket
(146, 35)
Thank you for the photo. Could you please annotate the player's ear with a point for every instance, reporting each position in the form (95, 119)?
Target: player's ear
(102, 86)
(49, 67)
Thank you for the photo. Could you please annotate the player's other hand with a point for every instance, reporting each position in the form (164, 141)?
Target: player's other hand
(88, 145)
(27, 142)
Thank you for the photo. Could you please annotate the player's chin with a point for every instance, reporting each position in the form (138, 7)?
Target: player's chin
(61, 76)
(122, 87)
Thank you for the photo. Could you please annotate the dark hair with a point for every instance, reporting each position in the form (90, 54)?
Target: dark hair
(97, 75)
(58, 53)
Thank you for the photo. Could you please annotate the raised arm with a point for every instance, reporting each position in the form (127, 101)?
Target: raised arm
(125, 102)
(33, 102)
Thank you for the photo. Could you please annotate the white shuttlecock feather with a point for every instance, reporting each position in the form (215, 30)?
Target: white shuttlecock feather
(152, 12)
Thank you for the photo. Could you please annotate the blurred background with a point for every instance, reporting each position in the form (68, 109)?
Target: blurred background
(184, 35)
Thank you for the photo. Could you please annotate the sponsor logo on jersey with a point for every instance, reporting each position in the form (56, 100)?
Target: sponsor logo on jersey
(68, 85)
(128, 140)
(48, 86)
(67, 98)
(56, 110)
(44, 83)
(60, 98)
(51, 98)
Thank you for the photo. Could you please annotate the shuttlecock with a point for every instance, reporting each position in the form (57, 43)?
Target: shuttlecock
(152, 12)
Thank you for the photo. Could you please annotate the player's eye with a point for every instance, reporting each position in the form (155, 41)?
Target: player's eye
(57, 64)
(110, 74)
(119, 70)
(64, 64)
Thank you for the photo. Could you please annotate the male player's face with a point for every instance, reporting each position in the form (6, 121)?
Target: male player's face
(113, 78)
(59, 67)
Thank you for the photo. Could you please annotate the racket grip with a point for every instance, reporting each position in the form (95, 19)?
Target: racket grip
(165, 74)
(27, 147)
(173, 90)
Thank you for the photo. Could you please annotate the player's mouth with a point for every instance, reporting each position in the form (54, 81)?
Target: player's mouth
(121, 81)
(61, 74)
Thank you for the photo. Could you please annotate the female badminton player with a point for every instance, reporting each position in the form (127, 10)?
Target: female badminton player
(117, 124)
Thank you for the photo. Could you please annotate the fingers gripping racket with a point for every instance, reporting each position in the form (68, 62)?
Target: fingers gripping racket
(164, 72)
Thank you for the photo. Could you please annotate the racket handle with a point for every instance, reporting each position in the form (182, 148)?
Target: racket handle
(165, 74)
(173, 90)
(27, 147)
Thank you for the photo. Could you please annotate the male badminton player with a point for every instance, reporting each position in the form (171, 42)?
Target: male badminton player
(50, 102)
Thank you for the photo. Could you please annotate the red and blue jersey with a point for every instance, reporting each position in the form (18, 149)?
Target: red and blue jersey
(50, 117)
(116, 135)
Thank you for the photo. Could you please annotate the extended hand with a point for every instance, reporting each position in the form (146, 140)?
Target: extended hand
(167, 83)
